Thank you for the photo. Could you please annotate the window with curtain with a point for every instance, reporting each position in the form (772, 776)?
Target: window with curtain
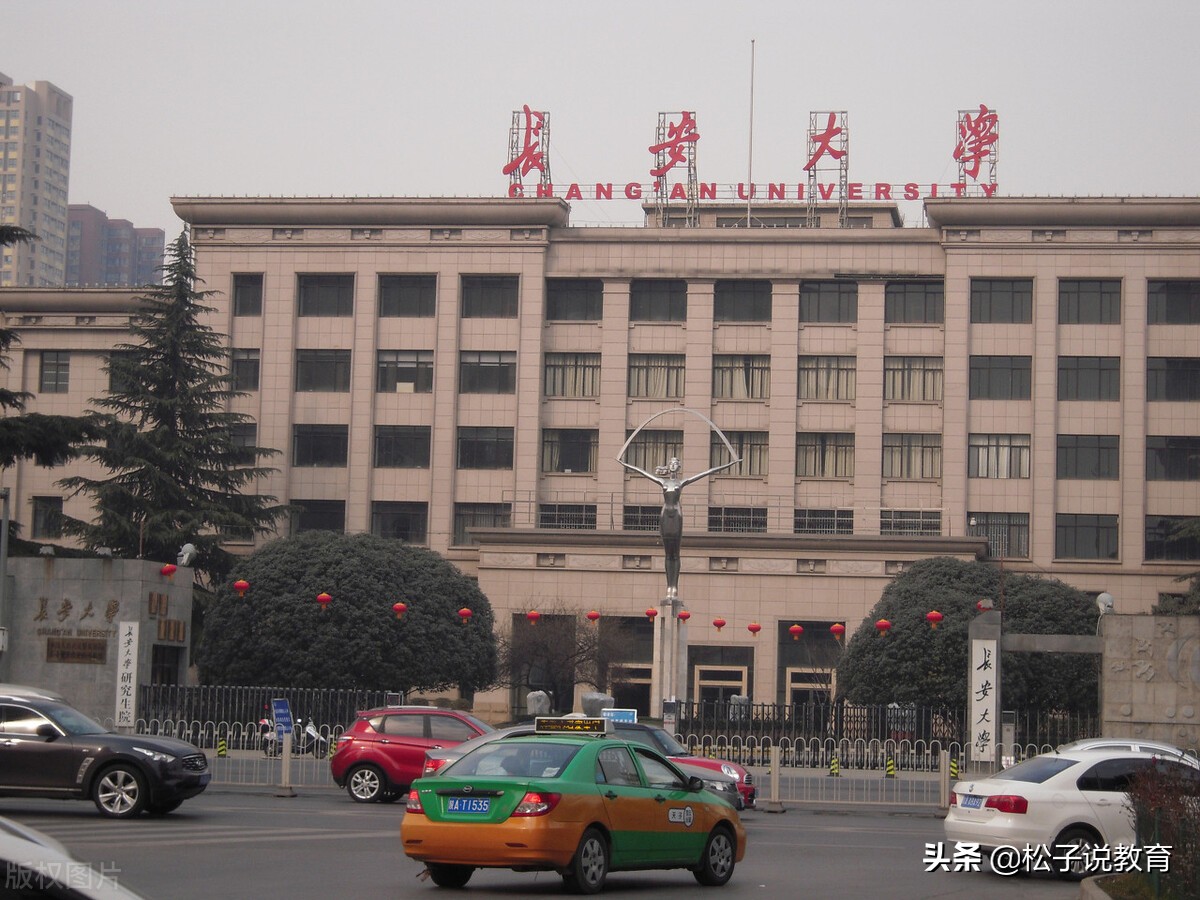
(912, 456)
(571, 375)
(826, 378)
(654, 447)
(570, 449)
(479, 515)
(656, 375)
(741, 377)
(913, 379)
(998, 456)
(1007, 533)
(750, 446)
(825, 454)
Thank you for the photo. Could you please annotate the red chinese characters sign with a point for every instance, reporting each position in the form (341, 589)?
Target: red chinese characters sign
(673, 150)
(531, 156)
(977, 137)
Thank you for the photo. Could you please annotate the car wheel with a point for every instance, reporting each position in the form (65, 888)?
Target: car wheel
(161, 809)
(365, 784)
(717, 860)
(589, 866)
(120, 792)
(1072, 851)
(448, 876)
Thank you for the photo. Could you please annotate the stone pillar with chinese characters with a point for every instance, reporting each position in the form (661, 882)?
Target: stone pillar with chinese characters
(984, 686)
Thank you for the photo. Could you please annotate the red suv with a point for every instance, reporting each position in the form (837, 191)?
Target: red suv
(384, 750)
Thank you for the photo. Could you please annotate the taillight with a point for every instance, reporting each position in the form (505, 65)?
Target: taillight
(536, 803)
(414, 804)
(953, 799)
(1007, 803)
(431, 766)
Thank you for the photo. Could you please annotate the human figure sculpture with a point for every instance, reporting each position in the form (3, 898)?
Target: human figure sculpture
(670, 520)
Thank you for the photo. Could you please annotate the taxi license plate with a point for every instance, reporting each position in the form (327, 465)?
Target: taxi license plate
(470, 805)
(972, 801)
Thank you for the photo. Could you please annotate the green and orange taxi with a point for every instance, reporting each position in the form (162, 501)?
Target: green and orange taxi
(571, 799)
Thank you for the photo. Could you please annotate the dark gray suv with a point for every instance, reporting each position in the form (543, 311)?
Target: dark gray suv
(49, 749)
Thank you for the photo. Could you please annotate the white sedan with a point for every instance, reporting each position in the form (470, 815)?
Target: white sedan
(1066, 802)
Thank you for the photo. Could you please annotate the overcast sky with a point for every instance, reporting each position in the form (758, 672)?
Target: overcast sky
(366, 97)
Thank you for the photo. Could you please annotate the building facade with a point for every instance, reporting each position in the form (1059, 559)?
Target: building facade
(1019, 380)
(35, 166)
(104, 251)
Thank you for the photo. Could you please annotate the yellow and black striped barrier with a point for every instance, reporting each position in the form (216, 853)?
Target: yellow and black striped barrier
(222, 747)
(835, 769)
(890, 771)
(954, 767)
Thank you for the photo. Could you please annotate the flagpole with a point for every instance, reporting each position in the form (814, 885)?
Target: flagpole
(750, 152)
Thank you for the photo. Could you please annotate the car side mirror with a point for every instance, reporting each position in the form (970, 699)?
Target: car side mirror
(48, 731)
(695, 783)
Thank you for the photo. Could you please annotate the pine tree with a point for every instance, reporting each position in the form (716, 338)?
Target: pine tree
(176, 472)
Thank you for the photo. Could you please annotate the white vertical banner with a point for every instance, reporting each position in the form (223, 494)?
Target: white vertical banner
(985, 701)
(127, 674)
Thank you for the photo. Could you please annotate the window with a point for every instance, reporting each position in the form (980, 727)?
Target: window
(998, 456)
(914, 303)
(399, 520)
(323, 370)
(1089, 378)
(825, 455)
(738, 519)
(1172, 378)
(479, 515)
(913, 378)
(912, 456)
(490, 296)
(1172, 458)
(574, 299)
(487, 372)
(1085, 536)
(1173, 302)
(485, 448)
(319, 515)
(320, 445)
(1089, 302)
(656, 375)
(407, 296)
(751, 448)
(998, 301)
(55, 374)
(910, 522)
(826, 378)
(1007, 533)
(640, 518)
(402, 446)
(1164, 543)
(742, 377)
(243, 438)
(47, 517)
(823, 521)
(742, 301)
(569, 449)
(657, 300)
(567, 515)
(404, 371)
(247, 294)
(1001, 377)
(244, 367)
(829, 301)
(653, 448)
(326, 295)
(571, 375)
(1089, 457)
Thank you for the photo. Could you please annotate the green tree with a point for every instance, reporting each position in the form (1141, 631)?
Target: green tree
(47, 440)
(176, 472)
(917, 664)
(278, 634)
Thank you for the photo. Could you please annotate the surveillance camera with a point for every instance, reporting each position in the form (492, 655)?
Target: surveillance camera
(1104, 603)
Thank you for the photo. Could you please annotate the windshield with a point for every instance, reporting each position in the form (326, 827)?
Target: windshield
(516, 759)
(72, 721)
(655, 739)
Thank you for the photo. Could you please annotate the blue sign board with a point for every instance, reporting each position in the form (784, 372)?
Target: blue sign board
(620, 715)
(282, 711)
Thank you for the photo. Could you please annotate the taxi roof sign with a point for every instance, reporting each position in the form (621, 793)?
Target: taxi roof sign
(572, 725)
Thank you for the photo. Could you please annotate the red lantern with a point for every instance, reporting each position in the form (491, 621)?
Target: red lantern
(754, 628)
(168, 570)
(241, 586)
(399, 609)
(464, 615)
(593, 616)
(324, 599)
(533, 615)
(684, 615)
(795, 631)
(718, 623)
(651, 613)
(933, 617)
(883, 626)
(837, 629)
